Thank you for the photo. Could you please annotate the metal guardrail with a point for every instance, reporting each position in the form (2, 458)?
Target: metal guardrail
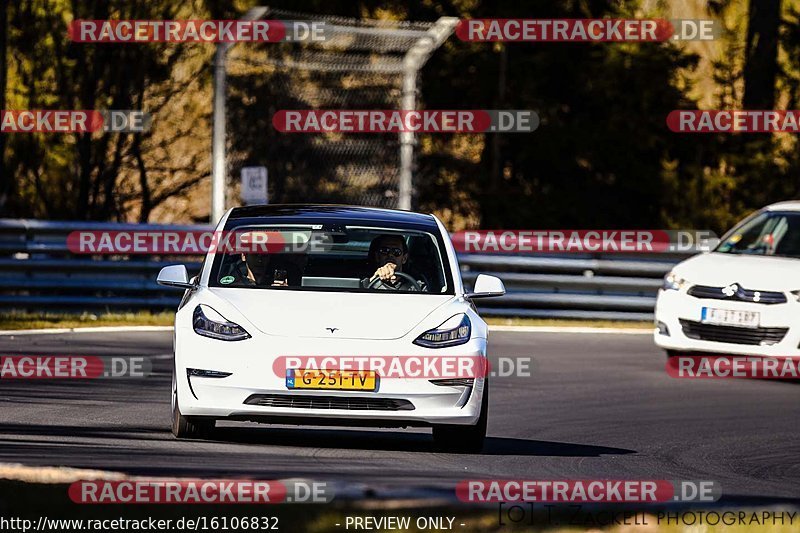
(37, 271)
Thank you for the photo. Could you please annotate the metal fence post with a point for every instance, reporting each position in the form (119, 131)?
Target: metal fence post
(413, 61)
(409, 99)
(218, 158)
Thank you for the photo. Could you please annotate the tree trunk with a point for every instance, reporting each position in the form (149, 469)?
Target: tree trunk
(144, 214)
(496, 137)
(761, 54)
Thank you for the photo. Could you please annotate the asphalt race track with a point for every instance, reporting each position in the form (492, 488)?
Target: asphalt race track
(596, 406)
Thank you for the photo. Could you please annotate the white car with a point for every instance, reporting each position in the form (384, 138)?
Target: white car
(743, 297)
(244, 314)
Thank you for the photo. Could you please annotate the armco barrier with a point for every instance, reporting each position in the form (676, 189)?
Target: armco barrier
(39, 273)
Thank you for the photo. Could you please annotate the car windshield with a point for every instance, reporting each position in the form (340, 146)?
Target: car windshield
(342, 258)
(768, 233)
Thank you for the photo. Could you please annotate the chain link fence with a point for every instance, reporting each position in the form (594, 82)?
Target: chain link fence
(360, 65)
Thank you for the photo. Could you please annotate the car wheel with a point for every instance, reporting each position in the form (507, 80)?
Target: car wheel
(188, 427)
(464, 439)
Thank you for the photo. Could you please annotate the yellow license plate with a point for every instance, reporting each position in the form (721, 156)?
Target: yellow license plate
(331, 379)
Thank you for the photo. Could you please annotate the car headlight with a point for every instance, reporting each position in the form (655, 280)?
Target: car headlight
(796, 294)
(452, 332)
(209, 323)
(673, 282)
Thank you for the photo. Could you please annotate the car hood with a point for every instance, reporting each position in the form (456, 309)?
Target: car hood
(374, 315)
(749, 271)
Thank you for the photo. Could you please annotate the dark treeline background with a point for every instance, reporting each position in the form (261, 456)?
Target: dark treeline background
(602, 156)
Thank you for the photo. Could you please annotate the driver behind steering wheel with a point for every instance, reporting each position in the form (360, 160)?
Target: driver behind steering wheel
(390, 253)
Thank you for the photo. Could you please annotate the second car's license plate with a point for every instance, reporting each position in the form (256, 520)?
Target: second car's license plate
(729, 317)
(331, 379)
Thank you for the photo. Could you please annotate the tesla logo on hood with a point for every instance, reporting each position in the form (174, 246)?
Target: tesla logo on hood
(332, 330)
(730, 290)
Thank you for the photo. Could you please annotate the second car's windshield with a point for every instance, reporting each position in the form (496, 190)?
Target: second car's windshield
(769, 233)
(352, 259)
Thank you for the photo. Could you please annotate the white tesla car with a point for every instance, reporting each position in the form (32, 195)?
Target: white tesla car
(383, 283)
(743, 297)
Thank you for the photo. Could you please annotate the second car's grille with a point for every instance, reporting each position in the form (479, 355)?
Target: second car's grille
(732, 334)
(735, 292)
(301, 401)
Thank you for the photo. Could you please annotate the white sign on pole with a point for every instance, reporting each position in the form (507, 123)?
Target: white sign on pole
(254, 185)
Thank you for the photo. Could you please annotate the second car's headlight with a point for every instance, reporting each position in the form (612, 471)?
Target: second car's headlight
(209, 323)
(452, 332)
(673, 282)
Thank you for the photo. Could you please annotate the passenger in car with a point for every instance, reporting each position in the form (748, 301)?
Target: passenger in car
(266, 270)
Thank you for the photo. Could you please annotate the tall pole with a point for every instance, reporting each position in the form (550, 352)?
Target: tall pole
(218, 157)
(413, 61)
(218, 135)
(407, 140)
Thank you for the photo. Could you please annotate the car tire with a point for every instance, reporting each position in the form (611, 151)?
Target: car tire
(464, 439)
(189, 427)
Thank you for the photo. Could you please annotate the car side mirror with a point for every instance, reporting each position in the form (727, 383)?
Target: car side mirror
(487, 287)
(174, 276)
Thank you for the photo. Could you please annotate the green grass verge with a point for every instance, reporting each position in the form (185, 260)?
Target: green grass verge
(558, 322)
(19, 320)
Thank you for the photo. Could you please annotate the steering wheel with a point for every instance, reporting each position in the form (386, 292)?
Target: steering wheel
(374, 282)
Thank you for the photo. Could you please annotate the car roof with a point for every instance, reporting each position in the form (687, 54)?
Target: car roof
(332, 214)
(791, 205)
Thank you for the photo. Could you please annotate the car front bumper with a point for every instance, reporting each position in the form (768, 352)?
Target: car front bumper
(681, 314)
(252, 374)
